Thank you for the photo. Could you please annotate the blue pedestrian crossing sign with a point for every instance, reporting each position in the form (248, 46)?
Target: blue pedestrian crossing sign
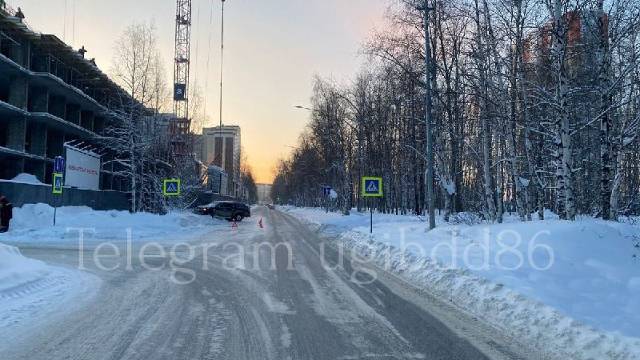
(58, 164)
(326, 190)
(171, 187)
(371, 186)
(56, 184)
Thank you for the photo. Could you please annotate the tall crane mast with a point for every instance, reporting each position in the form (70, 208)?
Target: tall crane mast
(182, 123)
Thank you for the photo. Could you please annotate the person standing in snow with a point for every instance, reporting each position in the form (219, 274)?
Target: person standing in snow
(6, 213)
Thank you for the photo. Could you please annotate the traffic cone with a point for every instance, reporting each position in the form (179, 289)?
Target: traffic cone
(260, 224)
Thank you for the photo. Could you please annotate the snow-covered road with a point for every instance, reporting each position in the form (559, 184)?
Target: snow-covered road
(33, 293)
(240, 295)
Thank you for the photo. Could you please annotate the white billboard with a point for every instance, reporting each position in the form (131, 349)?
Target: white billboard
(82, 169)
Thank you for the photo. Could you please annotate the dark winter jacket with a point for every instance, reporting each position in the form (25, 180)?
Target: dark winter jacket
(6, 213)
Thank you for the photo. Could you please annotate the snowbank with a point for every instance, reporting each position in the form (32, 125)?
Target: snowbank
(571, 285)
(32, 291)
(25, 178)
(33, 223)
(16, 269)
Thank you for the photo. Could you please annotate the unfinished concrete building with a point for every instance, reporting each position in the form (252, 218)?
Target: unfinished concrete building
(50, 95)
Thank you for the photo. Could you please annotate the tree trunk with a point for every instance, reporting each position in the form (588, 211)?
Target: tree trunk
(564, 149)
(605, 120)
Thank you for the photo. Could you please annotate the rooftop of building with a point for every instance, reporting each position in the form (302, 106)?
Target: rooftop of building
(224, 130)
(230, 127)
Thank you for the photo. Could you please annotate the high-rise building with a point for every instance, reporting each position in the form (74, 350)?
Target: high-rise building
(221, 147)
(264, 193)
(585, 32)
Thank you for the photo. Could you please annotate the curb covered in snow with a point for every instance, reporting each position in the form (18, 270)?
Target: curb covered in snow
(500, 306)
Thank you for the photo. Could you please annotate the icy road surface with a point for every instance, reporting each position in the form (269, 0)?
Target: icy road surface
(241, 308)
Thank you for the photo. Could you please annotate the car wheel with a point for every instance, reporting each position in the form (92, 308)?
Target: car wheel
(238, 218)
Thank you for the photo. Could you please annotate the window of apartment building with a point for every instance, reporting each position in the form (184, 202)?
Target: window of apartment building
(34, 167)
(217, 153)
(228, 154)
(28, 141)
(4, 89)
(5, 45)
(4, 133)
(54, 144)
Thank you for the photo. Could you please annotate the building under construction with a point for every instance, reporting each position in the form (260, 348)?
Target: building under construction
(53, 98)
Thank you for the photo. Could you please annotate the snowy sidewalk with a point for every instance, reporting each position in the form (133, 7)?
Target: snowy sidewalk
(571, 286)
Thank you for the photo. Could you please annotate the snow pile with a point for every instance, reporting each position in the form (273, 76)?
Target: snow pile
(318, 217)
(32, 291)
(25, 178)
(16, 269)
(33, 223)
(572, 286)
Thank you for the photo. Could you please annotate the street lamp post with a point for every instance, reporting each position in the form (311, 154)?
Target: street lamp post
(429, 125)
(221, 61)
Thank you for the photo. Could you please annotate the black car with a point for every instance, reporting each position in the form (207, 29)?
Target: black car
(229, 210)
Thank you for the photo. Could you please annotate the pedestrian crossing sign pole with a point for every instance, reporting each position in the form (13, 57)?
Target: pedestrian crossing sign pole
(56, 189)
(171, 187)
(371, 187)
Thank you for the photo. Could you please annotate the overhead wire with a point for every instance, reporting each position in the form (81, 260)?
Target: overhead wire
(206, 73)
(73, 22)
(64, 22)
(221, 60)
(196, 27)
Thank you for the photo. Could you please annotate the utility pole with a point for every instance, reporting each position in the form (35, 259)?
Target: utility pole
(221, 133)
(428, 120)
(221, 61)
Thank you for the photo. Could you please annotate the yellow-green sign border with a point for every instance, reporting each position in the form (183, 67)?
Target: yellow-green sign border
(54, 190)
(164, 187)
(363, 192)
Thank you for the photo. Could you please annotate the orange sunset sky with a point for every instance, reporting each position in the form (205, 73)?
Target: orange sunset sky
(273, 48)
